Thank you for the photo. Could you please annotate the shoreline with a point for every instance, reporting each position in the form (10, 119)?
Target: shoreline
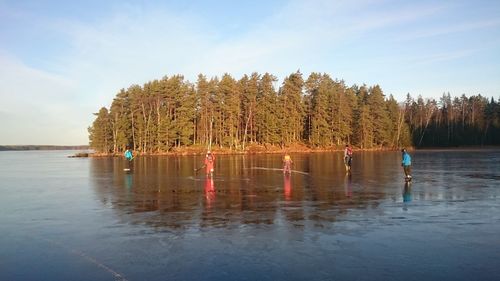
(197, 152)
(233, 152)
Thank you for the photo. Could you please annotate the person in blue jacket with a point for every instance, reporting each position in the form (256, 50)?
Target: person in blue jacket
(128, 155)
(406, 163)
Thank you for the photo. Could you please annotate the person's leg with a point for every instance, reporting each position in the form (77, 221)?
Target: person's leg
(407, 173)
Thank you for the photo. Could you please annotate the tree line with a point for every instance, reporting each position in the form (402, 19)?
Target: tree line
(454, 121)
(318, 112)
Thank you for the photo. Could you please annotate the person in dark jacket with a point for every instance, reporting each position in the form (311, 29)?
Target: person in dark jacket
(348, 158)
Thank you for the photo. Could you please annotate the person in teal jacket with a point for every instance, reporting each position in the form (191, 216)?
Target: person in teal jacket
(406, 163)
(128, 155)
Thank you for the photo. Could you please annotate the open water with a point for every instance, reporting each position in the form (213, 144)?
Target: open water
(86, 219)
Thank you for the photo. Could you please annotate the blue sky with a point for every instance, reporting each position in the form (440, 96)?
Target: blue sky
(60, 61)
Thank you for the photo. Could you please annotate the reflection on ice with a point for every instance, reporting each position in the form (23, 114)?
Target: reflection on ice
(347, 185)
(241, 193)
(209, 192)
(407, 197)
(287, 187)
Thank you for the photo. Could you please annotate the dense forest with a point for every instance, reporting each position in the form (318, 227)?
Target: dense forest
(252, 113)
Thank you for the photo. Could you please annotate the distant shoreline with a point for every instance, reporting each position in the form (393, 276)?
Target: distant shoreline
(42, 147)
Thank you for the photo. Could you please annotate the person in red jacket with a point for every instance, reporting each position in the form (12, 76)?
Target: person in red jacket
(209, 163)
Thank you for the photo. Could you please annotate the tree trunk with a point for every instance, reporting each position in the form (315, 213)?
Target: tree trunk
(246, 127)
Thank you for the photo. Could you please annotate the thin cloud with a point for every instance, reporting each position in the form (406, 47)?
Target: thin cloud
(445, 56)
(450, 29)
(300, 33)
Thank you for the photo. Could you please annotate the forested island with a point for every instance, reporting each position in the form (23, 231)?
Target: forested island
(252, 114)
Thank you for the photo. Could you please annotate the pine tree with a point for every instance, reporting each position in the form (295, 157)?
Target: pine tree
(183, 108)
(249, 88)
(230, 111)
(292, 118)
(121, 130)
(342, 106)
(100, 133)
(267, 112)
(318, 89)
(363, 127)
(380, 116)
(204, 110)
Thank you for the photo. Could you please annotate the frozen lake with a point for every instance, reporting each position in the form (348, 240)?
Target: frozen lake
(86, 219)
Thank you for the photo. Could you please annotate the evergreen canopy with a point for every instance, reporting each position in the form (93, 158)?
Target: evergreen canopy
(319, 112)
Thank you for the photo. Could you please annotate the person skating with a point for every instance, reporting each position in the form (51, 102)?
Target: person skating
(406, 163)
(348, 158)
(129, 156)
(287, 164)
(209, 163)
